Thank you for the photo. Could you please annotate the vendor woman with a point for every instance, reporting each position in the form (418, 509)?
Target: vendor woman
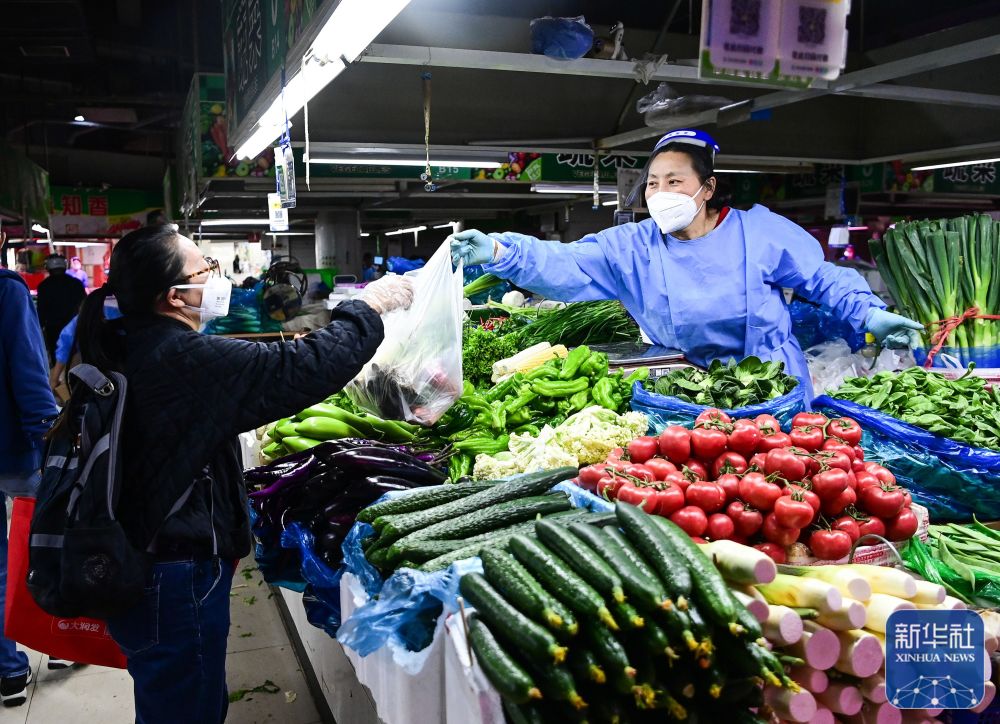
(697, 276)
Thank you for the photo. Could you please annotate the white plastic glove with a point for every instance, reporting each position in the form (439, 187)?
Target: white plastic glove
(389, 293)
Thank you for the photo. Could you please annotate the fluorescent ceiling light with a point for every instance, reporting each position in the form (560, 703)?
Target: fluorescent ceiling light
(78, 244)
(955, 163)
(364, 234)
(737, 170)
(234, 222)
(571, 189)
(411, 230)
(351, 28)
(857, 228)
(39, 228)
(289, 233)
(79, 119)
(610, 203)
(363, 161)
(449, 225)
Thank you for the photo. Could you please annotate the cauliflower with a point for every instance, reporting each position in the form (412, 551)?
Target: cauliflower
(494, 467)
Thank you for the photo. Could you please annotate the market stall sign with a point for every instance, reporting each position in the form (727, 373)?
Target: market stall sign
(980, 178)
(96, 212)
(256, 38)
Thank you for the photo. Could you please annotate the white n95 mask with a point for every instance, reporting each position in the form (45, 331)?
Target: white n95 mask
(215, 296)
(673, 211)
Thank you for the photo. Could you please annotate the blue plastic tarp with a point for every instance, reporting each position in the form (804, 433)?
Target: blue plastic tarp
(664, 411)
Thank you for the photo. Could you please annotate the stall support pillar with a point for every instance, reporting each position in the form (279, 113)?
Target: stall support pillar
(338, 241)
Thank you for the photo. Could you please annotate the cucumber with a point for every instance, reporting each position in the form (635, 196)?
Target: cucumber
(585, 666)
(560, 581)
(588, 565)
(556, 683)
(751, 626)
(494, 517)
(512, 626)
(518, 586)
(627, 616)
(699, 629)
(509, 678)
(421, 499)
(396, 526)
(641, 588)
(655, 639)
(522, 714)
(610, 652)
(654, 545)
(421, 551)
(710, 590)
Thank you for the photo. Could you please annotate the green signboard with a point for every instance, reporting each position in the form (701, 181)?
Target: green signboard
(256, 38)
(979, 178)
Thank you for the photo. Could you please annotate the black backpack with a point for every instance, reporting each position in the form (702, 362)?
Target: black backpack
(80, 562)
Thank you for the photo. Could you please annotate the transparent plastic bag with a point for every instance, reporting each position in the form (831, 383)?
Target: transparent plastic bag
(321, 597)
(663, 105)
(830, 363)
(416, 373)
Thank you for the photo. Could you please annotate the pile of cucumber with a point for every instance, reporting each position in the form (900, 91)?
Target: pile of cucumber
(432, 528)
(620, 621)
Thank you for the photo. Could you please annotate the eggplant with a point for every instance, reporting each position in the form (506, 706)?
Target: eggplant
(360, 462)
(281, 476)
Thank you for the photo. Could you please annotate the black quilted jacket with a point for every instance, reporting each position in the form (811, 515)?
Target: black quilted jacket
(189, 395)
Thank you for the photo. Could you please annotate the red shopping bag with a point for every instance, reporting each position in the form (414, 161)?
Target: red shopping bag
(84, 640)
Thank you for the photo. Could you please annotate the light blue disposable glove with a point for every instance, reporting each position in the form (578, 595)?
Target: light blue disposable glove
(472, 247)
(893, 330)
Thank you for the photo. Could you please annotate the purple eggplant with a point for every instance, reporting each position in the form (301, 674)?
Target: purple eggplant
(363, 462)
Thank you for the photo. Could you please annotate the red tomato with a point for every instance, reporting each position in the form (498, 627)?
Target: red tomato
(720, 527)
(757, 461)
(809, 438)
(809, 419)
(607, 487)
(785, 463)
(774, 441)
(591, 475)
(678, 479)
(848, 525)
(902, 527)
(908, 498)
(858, 465)
(729, 462)
(691, 519)
(707, 496)
(790, 512)
(807, 495)
(758, 492)
(675, 444)
(616, 465)
(616, 454)
(777, 553)
(837, 504)
(711, 415)
(767, 424)
(708, 444)
(731, 484)
(643, 496)
(834, 459)
(642, 449)
(829, 483)
(865, 479)
(883, 500)
(641, 472)
(746, 520)
(774, 532)
(852, 480)
(872, 526)
(846, 429)
(669, 499)
(834, 444)
(744, 438)
(830, 545)
(697, 469)
(660, 467)
(884, 475)
(859, 452)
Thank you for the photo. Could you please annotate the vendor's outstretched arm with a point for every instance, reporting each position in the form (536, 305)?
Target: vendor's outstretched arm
(576, 272)
(797, 263)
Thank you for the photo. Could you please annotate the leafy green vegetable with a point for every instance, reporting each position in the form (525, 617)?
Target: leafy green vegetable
(268, 687)
(728, 386)
(480, 349)
(575, 324)
(964, 410)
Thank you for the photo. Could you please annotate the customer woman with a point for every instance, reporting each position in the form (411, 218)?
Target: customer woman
(188, 396)
(698, 275)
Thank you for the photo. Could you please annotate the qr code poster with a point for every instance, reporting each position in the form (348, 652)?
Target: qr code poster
(935, 659)
(741, 36)
(813, 37)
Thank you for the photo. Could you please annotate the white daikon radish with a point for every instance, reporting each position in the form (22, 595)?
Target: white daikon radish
(929, 593)
(739, 563)
(782, 626)
(873, 689)
(841, 698)
(851, 615)
(824, 716)
(860, 654)
(849, 583)
(757, 608)
(810, 679)
(796, 707)
(875, 714)
(880, 606)
(818, 647)
(950, 602)
(889, 581)
(801, 592)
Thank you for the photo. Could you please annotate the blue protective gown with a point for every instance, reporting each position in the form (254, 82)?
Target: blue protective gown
(716, 297)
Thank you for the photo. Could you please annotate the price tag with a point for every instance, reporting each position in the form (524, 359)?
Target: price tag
(284, 173)
(277, 214)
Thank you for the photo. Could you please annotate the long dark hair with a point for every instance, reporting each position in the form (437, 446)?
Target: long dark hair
(703, 164)
(144, 265)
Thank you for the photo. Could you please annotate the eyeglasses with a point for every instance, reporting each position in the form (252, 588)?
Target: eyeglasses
(213, 270)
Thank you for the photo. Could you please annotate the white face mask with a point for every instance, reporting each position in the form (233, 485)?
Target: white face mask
(214, 298)
(673, 211)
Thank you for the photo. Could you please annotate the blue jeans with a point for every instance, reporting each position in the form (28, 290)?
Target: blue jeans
(12, 661)
(175, 641)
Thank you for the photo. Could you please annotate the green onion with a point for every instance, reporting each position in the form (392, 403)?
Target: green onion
(482, 284)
